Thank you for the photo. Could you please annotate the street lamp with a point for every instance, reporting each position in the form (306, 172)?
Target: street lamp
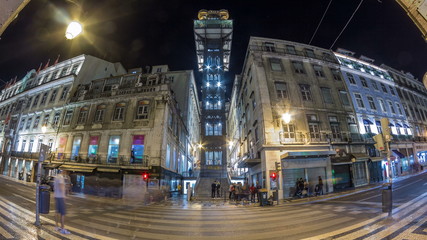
(73, 30)
(286, 117)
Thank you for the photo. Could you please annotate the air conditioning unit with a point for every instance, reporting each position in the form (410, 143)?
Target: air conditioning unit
(114, 87)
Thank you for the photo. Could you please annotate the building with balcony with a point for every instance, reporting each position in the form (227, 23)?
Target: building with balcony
(122, 127)
(38, 100)
(290, 105)
(374, 96)
(413, 95)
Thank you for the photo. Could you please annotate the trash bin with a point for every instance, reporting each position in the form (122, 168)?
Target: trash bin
(44, 199)
(263, 197)
(387, 201)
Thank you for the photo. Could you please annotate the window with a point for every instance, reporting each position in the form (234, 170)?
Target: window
(371, 103)
(269, 47)
(93, 146)
(351, 78)
(119, 112)
(374, 84)
(379, 129)
(142, 110)
(53, 96)
(281, 90)
(82, 115)
(113, 149)
(213, 129)
(298, 67)
(288, 131)
(137, 152)
(305, 92)
(383, 87)
(318, 71)
(64, 93)
(364, 83)
(21, 124)
(314, 131)
(74, 69)
(335, 128)
(359, 100)
(54, 75)
(43, 101)
(68, 116)
(64, 71)
(399, 109)
(290, 49)
(30, 146)
(390, 104)
(56, 118)
(326, 93)
(213, 157)
(46, 120)
(29, 121)
(24, 142)
(336, 74)
(392, 91)
(309, 53)
(276, 64)
(382, 105)
(36, 101)
(99, 114)
(36, 122)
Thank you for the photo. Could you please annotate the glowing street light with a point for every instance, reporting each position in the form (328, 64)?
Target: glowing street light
(73, 30)
(286, 117)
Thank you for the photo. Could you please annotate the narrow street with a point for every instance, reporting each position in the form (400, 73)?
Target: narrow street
(339, 216)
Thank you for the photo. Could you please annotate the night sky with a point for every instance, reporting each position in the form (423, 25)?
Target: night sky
(152, 32)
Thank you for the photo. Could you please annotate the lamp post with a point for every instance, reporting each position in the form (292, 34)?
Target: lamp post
(73, 30)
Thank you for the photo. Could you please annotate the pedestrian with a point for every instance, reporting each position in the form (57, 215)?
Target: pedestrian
(253, 191)
(213, 189)
(59, 194)
(258, 187)
(231, 190)
(218, 189)
(190, 172)
(320, 183)
(179, 187)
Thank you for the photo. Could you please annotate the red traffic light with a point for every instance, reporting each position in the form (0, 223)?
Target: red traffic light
(145, 176)
(273, 175)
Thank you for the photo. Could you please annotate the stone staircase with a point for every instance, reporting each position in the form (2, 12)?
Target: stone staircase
(204, 183)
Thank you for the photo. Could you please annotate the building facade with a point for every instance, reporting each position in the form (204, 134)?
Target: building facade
(107, 129)
(289, 106)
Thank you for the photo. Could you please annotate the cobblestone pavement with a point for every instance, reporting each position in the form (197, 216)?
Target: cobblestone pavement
(101, 218)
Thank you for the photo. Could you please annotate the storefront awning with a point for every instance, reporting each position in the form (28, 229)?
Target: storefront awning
(307, 154)
(74, 168)
(399, 154)
(107, 169)
(367, 121)
(378, 123)
(398, 125)
(249, 162)
(52, 165)
(406, 126)
(360, 156)
(376, 159)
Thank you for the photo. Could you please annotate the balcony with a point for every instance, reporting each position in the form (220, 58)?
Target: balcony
(121, 160)
(284, 51)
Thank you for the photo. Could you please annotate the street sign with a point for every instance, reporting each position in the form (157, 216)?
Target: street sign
(44, 149)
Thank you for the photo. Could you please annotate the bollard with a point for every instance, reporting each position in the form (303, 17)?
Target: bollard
(387, 200)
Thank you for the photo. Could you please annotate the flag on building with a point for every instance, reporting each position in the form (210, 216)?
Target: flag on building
(40, 68)
(47, 64)
(57, 59)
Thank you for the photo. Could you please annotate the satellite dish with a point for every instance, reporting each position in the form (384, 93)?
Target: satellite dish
(425, 80)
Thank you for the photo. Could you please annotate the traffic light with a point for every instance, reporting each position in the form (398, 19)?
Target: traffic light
(385, 126)
(379, 142)
(145, 176)
(273, 176)
(278, 166)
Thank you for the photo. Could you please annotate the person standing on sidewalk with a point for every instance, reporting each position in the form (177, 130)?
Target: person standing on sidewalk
(320, 183)
(218, 189)
(59, 194)
(213, 189)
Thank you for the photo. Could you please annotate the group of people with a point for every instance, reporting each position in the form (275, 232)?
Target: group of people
(237, 192)
(216, 189)
(302, 187)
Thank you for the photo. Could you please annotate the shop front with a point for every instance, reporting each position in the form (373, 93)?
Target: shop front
(308, 166)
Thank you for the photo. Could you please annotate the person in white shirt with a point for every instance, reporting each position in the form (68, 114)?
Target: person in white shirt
(59, 195)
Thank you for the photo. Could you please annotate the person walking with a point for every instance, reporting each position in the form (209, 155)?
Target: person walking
(179, 187)
(213, 189)
(231, 190)
(253, 191)
(218, 189)
(320, 184)
(60, 194)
